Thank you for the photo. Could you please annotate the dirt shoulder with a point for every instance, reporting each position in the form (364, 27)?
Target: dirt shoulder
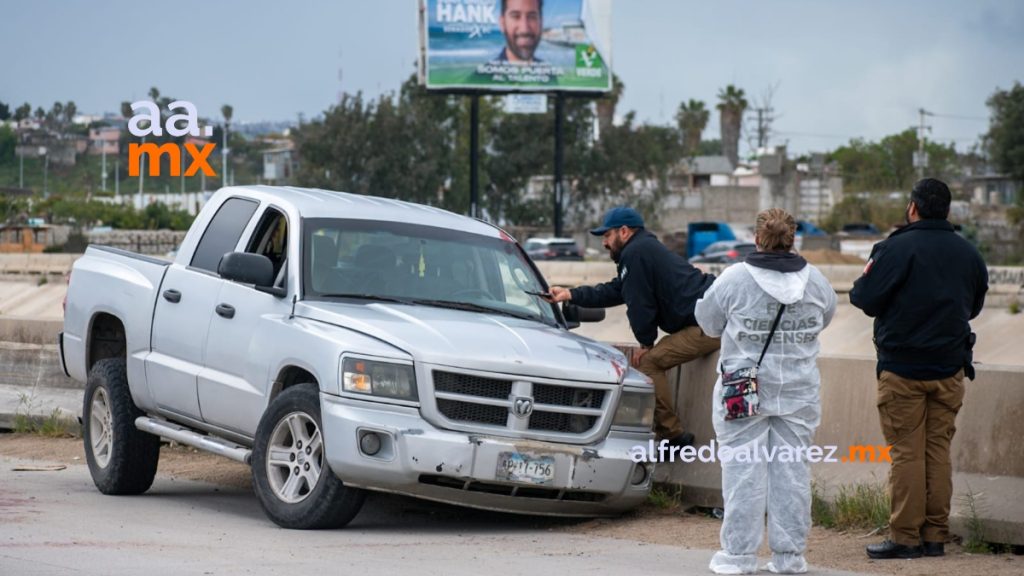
(826, 548)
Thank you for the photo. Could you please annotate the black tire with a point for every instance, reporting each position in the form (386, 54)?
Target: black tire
(122, 459)
(310, 500)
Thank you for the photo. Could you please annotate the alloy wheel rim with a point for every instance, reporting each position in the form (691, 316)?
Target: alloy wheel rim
(101, 432)
(294, 457)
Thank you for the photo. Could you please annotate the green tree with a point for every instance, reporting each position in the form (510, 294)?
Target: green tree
(5, 111)
(399, 146)
(1004, 141)
(709, 148)
(888, 165)
(732, 103)
(8, 142)
(22, 112)
(877, 209)
(692, 118)
(55, 117)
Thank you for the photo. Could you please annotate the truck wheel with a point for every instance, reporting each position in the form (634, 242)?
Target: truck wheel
(122, 459)
(292, 478)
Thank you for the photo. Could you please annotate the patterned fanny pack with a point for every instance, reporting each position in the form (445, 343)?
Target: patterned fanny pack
(739, 387)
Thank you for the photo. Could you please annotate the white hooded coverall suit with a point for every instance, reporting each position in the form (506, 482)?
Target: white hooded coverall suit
(740, 307)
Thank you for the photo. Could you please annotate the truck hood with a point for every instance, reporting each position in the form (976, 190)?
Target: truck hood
(476, 341)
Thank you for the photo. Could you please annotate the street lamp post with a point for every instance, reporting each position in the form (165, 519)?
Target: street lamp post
(142, 172)
(46, 168)
(224, 156)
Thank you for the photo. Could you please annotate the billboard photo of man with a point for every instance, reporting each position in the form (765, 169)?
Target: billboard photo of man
(516, 45)
(521, 23)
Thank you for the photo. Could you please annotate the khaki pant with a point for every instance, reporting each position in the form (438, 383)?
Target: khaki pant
(671, 351)
(918, 420)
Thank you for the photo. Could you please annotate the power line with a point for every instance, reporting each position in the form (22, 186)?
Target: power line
(959, 116)
(816, 135)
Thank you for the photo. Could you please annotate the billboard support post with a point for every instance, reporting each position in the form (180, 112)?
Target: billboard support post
(559, 113)
(474, 155)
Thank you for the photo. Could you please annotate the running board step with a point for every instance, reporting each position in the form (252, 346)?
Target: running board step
(184, 435)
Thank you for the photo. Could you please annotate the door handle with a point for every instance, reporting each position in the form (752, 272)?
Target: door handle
(225, 310)
(172, 296)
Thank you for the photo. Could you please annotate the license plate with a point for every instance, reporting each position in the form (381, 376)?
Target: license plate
(527, 468)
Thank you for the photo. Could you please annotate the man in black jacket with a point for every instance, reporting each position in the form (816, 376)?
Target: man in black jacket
(659, 289)
(922, 285)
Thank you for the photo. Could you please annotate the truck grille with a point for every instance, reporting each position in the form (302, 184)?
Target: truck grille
(556, 408)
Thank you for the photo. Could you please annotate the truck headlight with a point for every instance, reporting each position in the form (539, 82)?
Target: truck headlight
(636, 410)
(377, 378)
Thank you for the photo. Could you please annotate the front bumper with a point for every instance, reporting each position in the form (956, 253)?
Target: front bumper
(418, 459)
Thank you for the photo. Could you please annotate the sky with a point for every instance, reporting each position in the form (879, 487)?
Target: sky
(834, 69)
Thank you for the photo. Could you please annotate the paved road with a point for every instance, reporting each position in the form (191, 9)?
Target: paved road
(57, 524)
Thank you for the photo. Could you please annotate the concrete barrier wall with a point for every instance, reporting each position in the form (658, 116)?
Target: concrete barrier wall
(987, 456)
(1002, 279)
(36, 263)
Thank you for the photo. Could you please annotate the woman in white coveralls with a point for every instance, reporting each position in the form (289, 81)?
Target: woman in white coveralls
(741, 307)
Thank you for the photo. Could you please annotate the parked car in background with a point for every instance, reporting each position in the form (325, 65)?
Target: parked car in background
(805, 228)
(700, 235)
(553, 249)
(724, 252)
(860, 229)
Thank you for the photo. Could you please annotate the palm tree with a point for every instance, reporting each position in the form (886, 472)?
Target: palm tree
(692, 118)
(70, 111)
(606, 105)
(732, 103)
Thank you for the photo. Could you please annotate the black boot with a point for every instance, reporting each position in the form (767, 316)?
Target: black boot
(682, 440)
(934, 549)
(889, 549)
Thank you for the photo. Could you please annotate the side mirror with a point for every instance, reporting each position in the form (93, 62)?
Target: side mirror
(246, 268)
(574, 314)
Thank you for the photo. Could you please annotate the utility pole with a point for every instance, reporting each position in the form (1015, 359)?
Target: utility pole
(764, 121)
(921, 159)
(559, 112)
(224, 156)
(474, 155)
(103, 174)
(142, 172)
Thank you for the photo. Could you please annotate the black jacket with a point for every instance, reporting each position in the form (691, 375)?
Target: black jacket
(658, 287)
(922, 285)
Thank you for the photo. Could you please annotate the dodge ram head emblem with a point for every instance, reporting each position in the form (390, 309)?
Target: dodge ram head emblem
(522, 407)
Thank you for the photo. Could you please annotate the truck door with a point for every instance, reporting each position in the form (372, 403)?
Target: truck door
(187, 300)
(234, 384)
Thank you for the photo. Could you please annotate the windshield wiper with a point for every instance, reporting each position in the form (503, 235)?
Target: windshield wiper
(376, 297)
(472, 307)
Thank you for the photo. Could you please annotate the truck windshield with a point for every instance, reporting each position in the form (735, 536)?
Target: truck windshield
(416, 264)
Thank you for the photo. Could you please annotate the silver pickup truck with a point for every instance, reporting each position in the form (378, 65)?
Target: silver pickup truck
(337, 343)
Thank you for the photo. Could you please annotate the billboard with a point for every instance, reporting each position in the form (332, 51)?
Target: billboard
(516, 45)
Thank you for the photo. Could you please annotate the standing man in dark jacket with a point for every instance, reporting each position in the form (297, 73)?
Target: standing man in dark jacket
(922, 285)
(659, 289)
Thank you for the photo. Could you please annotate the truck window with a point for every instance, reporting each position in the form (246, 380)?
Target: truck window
(271, 240)
(222, 235)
